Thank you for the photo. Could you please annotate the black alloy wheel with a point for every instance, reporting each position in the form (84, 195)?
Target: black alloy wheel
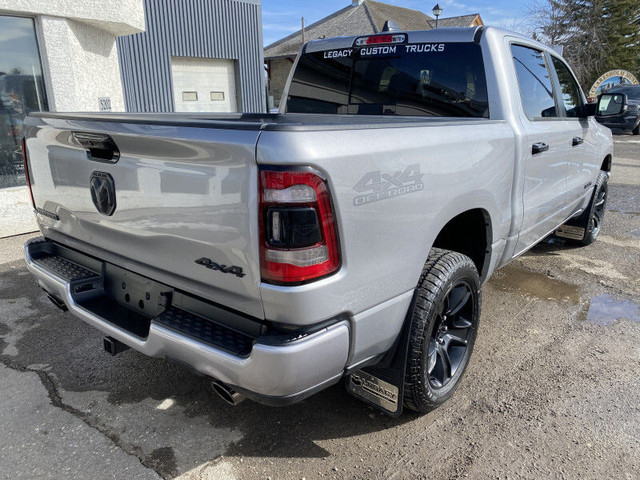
(448, 341)
(443, 329)
(599, 206)
(591, 220)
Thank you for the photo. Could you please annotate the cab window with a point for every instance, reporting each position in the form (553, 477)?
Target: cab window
(427, 80)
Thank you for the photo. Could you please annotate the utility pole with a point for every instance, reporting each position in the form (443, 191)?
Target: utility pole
(303, 36)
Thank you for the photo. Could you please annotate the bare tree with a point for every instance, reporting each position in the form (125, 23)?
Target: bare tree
(578, 26)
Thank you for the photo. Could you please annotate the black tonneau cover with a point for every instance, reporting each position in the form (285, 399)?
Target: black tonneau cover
(260, 121)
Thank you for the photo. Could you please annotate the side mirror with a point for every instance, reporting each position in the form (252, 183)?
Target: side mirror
(611, 104)
(588, 110)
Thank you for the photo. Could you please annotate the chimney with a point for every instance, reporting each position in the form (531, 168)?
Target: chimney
(356, 3)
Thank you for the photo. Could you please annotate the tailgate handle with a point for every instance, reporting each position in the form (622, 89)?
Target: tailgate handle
(99, 147)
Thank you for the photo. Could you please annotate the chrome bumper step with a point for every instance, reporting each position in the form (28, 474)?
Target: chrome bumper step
(160, 321)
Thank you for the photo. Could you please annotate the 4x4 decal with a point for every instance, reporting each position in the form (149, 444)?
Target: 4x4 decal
(207, 262)
(384, 185)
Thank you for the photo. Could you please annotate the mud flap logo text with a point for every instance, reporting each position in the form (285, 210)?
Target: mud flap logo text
(385, 185)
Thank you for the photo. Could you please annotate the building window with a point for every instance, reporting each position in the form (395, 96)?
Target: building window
(217, 96)
(21, 92)
(189, 96)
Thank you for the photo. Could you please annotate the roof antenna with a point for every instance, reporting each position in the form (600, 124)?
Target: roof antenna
(391, 26)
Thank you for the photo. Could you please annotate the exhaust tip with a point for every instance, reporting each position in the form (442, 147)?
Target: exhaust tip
(226, 393)
(57, 302)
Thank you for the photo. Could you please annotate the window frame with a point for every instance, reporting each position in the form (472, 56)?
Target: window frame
(43, 93)
(44, 66)
(551, 72)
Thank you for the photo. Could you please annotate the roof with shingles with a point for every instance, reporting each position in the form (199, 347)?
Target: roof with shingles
(460, 21)
(361, 19)
(364, 18)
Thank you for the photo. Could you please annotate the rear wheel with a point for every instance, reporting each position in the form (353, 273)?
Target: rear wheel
(636, 131)
(444, 324)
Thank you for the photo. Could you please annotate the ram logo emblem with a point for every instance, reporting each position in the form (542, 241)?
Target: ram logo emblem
(103, 192)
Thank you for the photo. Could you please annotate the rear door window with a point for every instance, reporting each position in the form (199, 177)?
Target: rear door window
(534, 79)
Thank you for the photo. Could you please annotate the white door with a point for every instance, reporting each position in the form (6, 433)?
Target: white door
(204, 84)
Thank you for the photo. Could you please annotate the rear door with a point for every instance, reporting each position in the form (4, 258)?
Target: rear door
(545, 148)
(182, 211)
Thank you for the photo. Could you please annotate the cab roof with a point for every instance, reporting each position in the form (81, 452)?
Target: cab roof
(443, 34)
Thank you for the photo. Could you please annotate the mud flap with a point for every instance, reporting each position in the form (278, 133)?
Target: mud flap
(571, 232)
(382, 385)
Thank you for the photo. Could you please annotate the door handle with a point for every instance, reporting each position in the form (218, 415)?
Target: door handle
(99, 147)
(539, 148)
(577, 141)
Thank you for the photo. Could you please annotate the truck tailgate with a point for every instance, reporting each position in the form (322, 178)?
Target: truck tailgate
(185, 211)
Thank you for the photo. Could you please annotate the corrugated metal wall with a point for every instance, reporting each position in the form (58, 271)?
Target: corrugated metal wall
(229, 29)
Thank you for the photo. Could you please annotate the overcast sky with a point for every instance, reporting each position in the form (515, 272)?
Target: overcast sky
(282, 17)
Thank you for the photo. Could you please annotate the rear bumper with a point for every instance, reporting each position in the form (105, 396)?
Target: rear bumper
(275, 371)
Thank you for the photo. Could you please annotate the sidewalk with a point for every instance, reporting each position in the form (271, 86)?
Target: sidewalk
(16, 212)
(11, 247)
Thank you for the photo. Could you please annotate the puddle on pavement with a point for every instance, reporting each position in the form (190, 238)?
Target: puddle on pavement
(600, 310)
(604, 310)
(539, 285)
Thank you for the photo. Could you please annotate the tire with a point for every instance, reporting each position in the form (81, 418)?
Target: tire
(437, 336)
(636, 131)
(592, 218)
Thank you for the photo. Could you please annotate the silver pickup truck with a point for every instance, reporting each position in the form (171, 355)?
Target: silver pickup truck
(346, 237)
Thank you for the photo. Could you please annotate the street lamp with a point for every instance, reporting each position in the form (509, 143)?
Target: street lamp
(437, 11)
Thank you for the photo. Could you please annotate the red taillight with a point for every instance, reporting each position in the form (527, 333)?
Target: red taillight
(298, 238)
(26, 171)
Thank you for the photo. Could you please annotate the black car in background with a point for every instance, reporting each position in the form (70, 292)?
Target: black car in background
(629, 120)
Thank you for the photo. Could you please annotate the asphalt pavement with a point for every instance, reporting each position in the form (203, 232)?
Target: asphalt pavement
(551, 391)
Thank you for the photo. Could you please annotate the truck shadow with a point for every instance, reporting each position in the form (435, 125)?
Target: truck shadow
(126, 395)
(552, 246)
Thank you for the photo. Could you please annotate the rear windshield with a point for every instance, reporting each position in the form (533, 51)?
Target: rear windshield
(427, 79)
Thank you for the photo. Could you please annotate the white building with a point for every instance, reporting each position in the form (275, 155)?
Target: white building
(54, 55)
(93, 55)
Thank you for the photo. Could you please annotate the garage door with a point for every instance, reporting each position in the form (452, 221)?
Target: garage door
(204, 84)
